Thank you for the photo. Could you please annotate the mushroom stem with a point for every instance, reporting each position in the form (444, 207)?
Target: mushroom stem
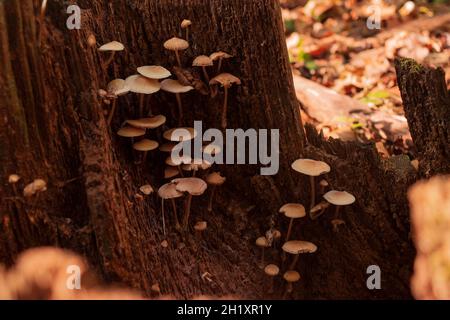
(219, 66)
(224, 111)
(177, 54)
(272, 280)
(180, 109)
(211, 198)
(163, 220)
(289, 229)
(262, 259)
(110, 59)
(289, 289)
(294, 262)
(113, 110)
(175, 214)
(313, 192)
(187, 34)
(180, 171)
(337, 212)
(187, 211)
(41, 19)
(205, 73)
(141, 105)
(144, 157)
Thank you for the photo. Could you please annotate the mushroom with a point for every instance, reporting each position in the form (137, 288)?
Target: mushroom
(154, 72)
(37, 186)
(336, 223)
(214, 179)
(178, 161)
(194, 187)
(91, 40)
(115, 88)
(220, 55)
(185, 24)
(262, 243)
(170, 172)
(339, 198)
(146, 189)
(273, 235)
(200, 226)
(297, 247)
(196, 165)
(203, 62)
(176, 44)
(226, 80)
(148, 123)
(292, 211)
(272, 271)
(169, 192)
(113, 47)
(323, 184)
(320, 208)
(145, 145)
(167, 147)
(130, 132)
(174, 86)
(183, 134)
(311, 168)
(291, 276)
(13, 179)
(143, 86)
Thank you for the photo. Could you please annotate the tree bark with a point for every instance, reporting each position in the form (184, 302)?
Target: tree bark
(427, 108)
(53, 127)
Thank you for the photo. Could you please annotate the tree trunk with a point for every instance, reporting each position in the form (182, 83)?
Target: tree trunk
(53, 127)
(427, 108)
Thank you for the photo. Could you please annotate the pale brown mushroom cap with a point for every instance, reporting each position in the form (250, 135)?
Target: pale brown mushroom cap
(174, 86)
(202, 61)
(271, 270)
(176, 44)
(13, 178)
(170, 172)
(145, 145)
(215, 179)
(339, 198)
(169, 191)
(130, 132)
(225, 80)
(180, 134)
(196, 164)
(310, 167)
(117, 87)
(193, 186)
(262, 242)
(323, 183)
(220, 55)
(297, 247)
(168, 146)
(38, 185)
(178, 160)
(201, 226)
(185, 23)
(146, 189)
(293, 210)
(148, 123)
(154, 72)
(112, 46)
(291, 276)
(143, 85)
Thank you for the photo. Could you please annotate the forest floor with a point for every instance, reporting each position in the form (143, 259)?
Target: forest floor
(332, 45)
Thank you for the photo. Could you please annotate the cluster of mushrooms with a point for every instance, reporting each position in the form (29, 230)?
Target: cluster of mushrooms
(293, 211)
(34, 188)
(186, 177)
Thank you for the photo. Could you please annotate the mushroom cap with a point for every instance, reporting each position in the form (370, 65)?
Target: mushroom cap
(202, 61)
(215, 179)
(112, 46)
(130, 132)
(13, 178)
(146, 189)
(167, 147)
(323, 183)
(293, 210)
(225, 79)
(176, 44)
(117, 87)
(196, 164)
(193, 186)
(320, 206)
(38, 185)
(154, 72)
(339, 198)
(177, 161)
(201, 226)
(297, 247)
(169, 191)
(140, 84)
(180, 134)
(170, 172)
(148, 123)
(262, 242)
(272, 270)
(219, 55)
(212, 149)
(185, 23)
(310, 167)
(174, 86)
(291, 276)
(145, 145)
